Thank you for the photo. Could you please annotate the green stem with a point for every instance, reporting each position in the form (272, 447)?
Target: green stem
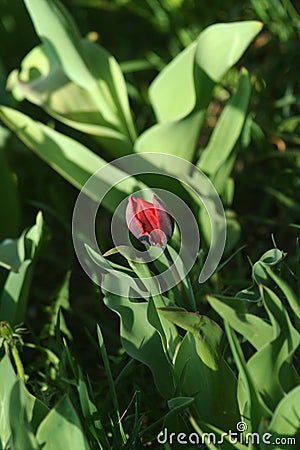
(179, 284)
(18, 362)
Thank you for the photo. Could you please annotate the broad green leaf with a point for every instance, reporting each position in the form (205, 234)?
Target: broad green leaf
(178, 403)
(15, 293)
(252, 407)
(251, 327)
(174, 92)
(177, 138)
(9, 201)
(265, 365)
(228, 129)
(116, 276)
(167, 331)
(221, 45)
(289, 293)
(22, 435)
(105, 68)
(13, 301)
(202, 373)
(104, 263)
(42, 81)
(12, 253)
(177, 76)
(193, 75)
(141, 340)
(61, 429)
(85, 63)
(68, 157)
(54, 26)
(286, 418)
(8, 377)
(35, 410)
(233, 228)
(181, 317)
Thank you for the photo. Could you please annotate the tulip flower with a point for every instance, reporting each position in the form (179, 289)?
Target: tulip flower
(150, 223)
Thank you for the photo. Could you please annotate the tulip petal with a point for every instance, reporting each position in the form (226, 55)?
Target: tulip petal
(165, 220)
(158, 238)
(151, 223)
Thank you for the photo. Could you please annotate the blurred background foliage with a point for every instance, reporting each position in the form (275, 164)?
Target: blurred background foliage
(144, 37)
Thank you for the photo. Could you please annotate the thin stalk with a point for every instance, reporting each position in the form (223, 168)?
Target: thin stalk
(178, 280)
(18, 362)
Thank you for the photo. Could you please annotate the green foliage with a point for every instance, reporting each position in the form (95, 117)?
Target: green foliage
(9, 201)
(199, 358)
(19, 255)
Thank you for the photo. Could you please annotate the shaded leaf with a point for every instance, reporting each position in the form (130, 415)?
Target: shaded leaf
(252, 327)
(141, 340)
(68, 157)
(13, 300)
(286, 418)
(62, 418)
(228, 129)
(200, 370)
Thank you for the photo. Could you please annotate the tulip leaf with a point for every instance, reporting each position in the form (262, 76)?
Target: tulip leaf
(12, 392)
(54, 26)
(286, 419)
(13, 300)
(12, 253)
(6, 373)
(176, 138)
(180, 116)
(113, 277)
(259, 274)
(266, 364)
(181, 317)
(22, 435)
(228, 129)
(67, 101)
(252, 327)
(69, 158)
(251, 405)
(85, 63)
(141, 340)
(268, 259)
(221, 45)
(69, 434)
(290, 295)
(199, 358)
(179, 72)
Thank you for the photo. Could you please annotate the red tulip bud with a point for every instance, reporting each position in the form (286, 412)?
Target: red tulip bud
(151, 223)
